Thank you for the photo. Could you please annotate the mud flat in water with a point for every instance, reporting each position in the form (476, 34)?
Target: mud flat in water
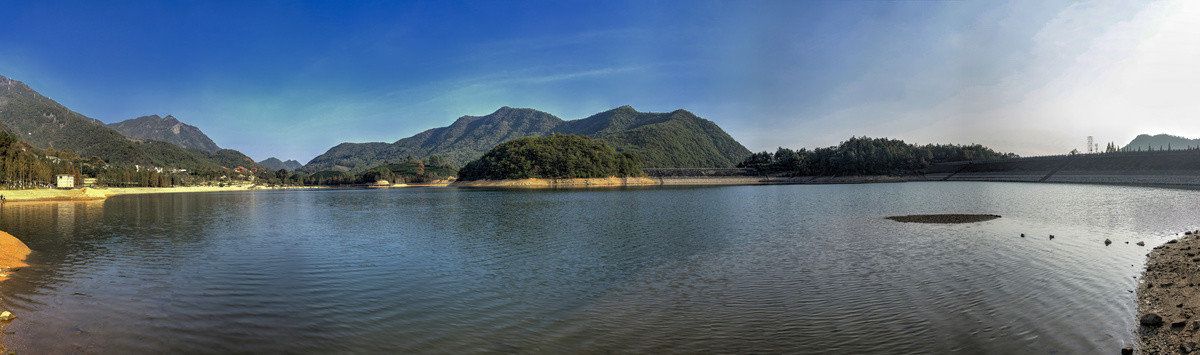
(944, 218)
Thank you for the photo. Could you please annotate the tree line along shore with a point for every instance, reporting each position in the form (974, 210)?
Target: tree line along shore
(571, 160)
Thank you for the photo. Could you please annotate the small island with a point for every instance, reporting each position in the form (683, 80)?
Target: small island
(557, 160)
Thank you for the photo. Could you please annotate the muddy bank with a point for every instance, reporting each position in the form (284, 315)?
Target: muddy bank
(556, 183)
(1169, 298)
(944, 218)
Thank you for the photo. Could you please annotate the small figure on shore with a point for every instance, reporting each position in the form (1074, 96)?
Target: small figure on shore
(1051, 237)
(2, 199)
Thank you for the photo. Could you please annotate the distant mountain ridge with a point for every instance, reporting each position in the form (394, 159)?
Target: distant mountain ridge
(274, 163)
(1161, 142)
(45, 123)
(167, 129)
(677, 139)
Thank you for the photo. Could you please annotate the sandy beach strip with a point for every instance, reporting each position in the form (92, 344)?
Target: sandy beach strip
(89, 193)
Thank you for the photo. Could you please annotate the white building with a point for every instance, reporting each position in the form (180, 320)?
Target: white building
(66, 181)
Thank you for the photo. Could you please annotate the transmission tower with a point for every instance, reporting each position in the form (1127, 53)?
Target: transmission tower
(1091, 147)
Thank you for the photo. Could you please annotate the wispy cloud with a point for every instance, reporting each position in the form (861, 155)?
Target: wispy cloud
(561, 76)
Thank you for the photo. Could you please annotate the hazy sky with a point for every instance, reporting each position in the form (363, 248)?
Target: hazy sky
(292, 79)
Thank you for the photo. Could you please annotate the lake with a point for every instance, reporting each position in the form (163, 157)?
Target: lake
(741, 269)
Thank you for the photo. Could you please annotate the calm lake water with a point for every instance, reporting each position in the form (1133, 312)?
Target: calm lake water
(763, 269)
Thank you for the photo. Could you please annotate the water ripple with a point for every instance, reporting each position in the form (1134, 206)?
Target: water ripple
(757, 269)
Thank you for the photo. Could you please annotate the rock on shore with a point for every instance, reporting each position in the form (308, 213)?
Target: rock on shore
(1169, 298)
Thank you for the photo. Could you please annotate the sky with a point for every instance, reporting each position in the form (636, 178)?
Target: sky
(291, 79)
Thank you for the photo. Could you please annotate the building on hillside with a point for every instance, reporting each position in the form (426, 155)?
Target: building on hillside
(66, 181)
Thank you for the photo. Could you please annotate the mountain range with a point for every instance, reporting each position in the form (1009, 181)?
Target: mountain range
(166, 129)
(677, 139)
(47, 124)
(274, 163)
(1160, 142)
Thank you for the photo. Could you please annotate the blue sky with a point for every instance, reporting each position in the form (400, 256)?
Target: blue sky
(291, 79)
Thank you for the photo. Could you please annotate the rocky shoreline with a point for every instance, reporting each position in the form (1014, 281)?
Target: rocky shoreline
(1169, 298)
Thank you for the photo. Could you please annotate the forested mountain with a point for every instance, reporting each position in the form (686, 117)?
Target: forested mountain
(274, 163)
(1147, 142)
(167, 129)
(677, 139)
(670, 140)
(44, 123)
(557, 156)
(228, 158)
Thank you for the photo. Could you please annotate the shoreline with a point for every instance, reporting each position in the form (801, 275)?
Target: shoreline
(89, 193)
(559, 183)
(1168, 298)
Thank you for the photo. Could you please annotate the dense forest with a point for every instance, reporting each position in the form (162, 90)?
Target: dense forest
(865, 156)
(411, 170)
(557, 156)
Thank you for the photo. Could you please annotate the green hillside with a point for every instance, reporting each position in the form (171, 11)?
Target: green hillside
(557, 156)
(44, 123)
(166, 129)
(274, 163)
(1146, 142)
(672, 140)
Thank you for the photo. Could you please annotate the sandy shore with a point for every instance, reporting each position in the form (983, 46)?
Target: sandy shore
(12, 257)
(555, 183)
(12, 254)
(88, 193)
(1169, 298)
